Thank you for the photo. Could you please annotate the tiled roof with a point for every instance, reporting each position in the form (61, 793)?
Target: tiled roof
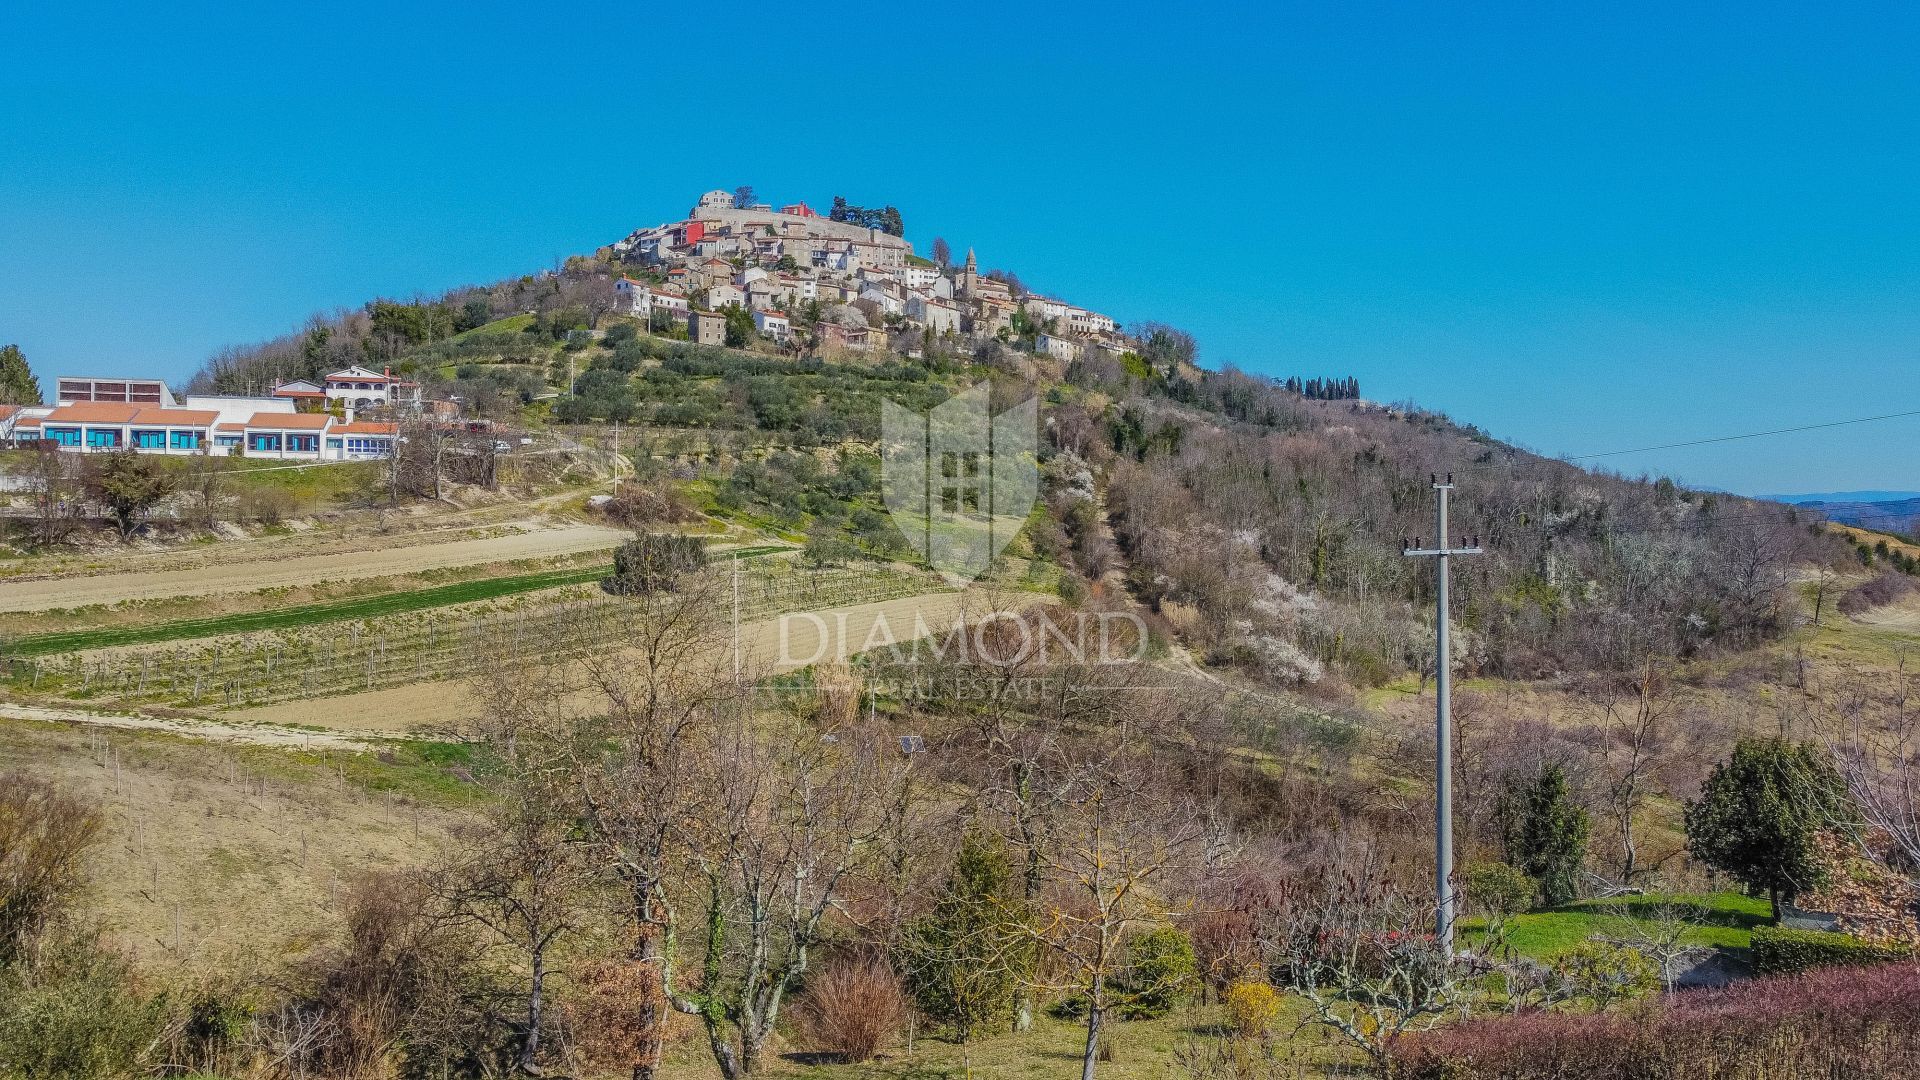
(93, 412)
(176, 417)
(366, 427)
(289, 421)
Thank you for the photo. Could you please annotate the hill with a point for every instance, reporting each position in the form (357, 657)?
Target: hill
(741, 863)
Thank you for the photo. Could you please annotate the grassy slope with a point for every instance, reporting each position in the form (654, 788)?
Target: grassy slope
(246, 848)
(1727, 921)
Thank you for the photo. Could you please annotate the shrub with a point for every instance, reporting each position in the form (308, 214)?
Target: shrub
(1879, 592)
(1605, 973)
(1161, 973)
(1494, 888)
(1252, 1007)
(76, 1012)
(1844, 1022)
(44, 837)
(1780, 951)
(851, 1008)
(655, 561)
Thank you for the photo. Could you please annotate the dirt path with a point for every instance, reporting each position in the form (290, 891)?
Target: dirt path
(768, 647)
(253, 732)
(305, 569)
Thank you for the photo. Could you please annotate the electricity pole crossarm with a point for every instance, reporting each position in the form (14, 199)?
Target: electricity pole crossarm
(1446, 905)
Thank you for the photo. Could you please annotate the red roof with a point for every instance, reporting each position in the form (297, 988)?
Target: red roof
(366, 427)
(289, 421)
(93, 412)
(176, 417)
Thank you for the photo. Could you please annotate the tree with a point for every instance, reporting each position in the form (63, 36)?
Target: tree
(1122, 832)
(1166, 348)
(942, 254)
(55, 490)
(18, 386)
(45, 834)
(1546, 833)
(522, 879)
(740, 329)
(1635, 736)
(652, 562)
(129, 484)
(964, 962)
(1758, 814)
(1362, 956)
(743, 197)
(794, 810)
(207, 482)
(622, 738)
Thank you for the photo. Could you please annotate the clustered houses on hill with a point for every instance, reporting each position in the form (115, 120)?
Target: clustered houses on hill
(299, 421)
(768, 261)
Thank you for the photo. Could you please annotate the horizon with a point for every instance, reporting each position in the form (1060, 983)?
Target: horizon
(1574, 237)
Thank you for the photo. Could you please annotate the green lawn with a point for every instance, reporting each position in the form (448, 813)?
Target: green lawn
(1724, 920)
(361, 607)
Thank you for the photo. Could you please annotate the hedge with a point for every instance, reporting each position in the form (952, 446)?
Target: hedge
(1781, 951)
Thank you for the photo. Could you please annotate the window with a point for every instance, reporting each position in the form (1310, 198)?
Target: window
(186, 440)
(150, 440)
(103, 437)
(368, 446)
(264, 442)
(227, 440)
(64, 436)
(303, 443)
(334, 444)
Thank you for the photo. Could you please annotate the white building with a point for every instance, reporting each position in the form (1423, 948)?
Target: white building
(773, 324)
(363, 388)
(631, 297)
(720, 296)
(934, 313)
(917, 277)
(1057, 347)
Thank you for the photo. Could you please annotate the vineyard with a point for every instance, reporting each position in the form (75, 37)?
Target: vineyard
(346, 658)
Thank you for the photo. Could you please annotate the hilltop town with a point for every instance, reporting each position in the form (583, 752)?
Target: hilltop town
(836, 285)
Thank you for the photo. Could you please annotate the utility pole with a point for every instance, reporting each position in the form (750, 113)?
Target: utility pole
(1445, 905)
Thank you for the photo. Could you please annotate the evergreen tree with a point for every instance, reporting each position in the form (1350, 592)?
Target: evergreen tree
(1758, 813)
(17, 384)
(965, 961)
(1546, 834)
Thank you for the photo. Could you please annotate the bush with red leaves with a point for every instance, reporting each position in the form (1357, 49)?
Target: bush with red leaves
(1863, 1024)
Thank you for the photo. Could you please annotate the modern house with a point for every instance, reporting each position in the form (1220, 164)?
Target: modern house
(362, 388)
(255, 427)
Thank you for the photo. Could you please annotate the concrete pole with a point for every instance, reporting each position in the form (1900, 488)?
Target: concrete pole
(1443, 733)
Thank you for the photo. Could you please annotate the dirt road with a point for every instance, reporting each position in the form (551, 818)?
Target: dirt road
(303, 569)
(252, 732)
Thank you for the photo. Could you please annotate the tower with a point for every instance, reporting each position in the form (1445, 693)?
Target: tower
(969, 274)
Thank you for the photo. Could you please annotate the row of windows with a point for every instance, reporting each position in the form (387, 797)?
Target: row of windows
(190, 440)
(299, 444)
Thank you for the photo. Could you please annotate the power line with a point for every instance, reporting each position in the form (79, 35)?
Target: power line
(1746, 435)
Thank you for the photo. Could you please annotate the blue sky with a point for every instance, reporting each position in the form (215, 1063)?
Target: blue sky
(1581, 230)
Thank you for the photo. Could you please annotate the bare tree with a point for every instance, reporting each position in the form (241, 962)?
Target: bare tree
(522, 879)
(795, 809)
(623, 735)
(1123, 834)
(55, 493)
(1634, 734)
(1360, 954)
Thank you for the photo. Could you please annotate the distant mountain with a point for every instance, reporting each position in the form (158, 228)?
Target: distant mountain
(1846, 497)
(1899, 514)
